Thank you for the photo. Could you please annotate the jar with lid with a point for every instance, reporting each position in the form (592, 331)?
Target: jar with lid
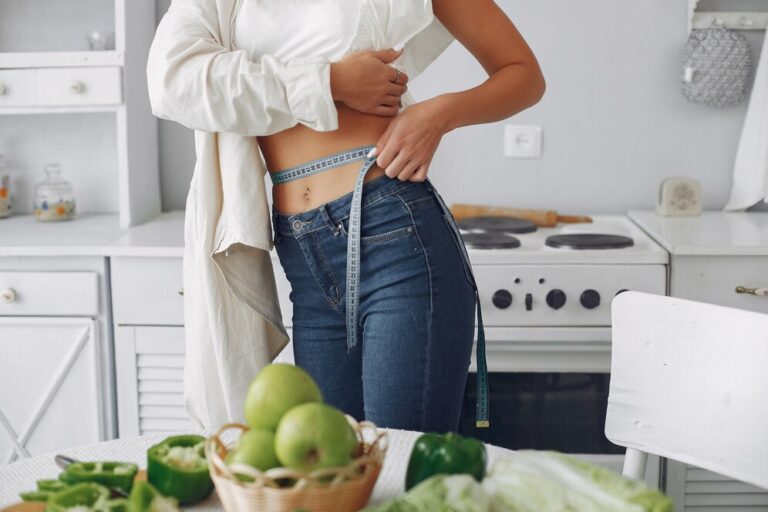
(54, 197)
(5, 190)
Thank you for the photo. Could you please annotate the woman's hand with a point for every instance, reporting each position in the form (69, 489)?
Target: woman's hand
(364, 81)
(407, 146)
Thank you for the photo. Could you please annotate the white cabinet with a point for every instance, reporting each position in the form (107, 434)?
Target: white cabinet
(710, 256)
(50, 385)
(150, 373)
(87, 110)
(148, 306)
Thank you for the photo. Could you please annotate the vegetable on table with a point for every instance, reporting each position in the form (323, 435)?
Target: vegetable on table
(51, 485)
(35, 495)
(449, 453)
(540, 481)
(440, 493)
(177, 467)
(81, 496)
(145, 498)
(115, 475)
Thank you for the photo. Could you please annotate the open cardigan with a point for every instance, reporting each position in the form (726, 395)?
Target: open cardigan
(232, 319)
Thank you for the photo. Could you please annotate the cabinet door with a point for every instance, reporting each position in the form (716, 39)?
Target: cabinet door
(150, 377)
(50, 385)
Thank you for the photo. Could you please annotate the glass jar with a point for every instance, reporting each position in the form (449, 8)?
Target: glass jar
(54, 197)
(5, 190)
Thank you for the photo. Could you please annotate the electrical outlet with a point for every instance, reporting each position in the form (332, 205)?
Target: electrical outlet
(522, 140)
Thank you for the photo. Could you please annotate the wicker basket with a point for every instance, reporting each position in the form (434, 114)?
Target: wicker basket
(349, 489)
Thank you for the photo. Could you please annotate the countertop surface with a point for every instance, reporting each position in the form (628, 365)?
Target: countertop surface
(22, 475)
(93, 235)
(713, 233)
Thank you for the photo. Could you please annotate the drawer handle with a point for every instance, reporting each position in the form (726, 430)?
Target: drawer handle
(8, 295)
(181, 291)
(2, 89)
(762, 292)
(76, 87)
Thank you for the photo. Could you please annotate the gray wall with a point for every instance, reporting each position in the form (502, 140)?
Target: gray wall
(615, 123)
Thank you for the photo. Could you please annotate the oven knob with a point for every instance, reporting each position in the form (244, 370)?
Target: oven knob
(528, 302)
(502, 299)
(556, 298)
(590, 299)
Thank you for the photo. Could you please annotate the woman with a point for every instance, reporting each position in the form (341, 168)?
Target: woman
(383, 295)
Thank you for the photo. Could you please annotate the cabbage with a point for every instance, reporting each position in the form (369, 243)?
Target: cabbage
(545, 481)
(439, 493)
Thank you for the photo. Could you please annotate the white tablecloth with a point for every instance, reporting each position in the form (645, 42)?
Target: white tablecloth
(22, 475)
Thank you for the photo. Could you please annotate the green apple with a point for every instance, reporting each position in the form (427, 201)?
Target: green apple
(256, 448)
(313, 436)
(276, 389)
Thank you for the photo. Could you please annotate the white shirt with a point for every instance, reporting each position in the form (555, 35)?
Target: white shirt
(200, 79)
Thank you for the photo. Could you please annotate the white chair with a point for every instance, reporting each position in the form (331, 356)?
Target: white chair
(689, 381)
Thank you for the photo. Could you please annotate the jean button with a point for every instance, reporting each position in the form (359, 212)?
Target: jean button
(296, 225)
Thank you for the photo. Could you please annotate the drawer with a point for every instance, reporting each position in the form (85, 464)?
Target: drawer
(18, 87)
(80, 86)
(49, 293)
(714, 279)
(147, 291)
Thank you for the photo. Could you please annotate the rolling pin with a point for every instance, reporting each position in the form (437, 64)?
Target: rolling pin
(542, 218)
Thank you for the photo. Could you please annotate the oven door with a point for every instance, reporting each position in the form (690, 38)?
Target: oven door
(548, 390)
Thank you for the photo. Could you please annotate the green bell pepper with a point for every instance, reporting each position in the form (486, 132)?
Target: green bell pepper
(51, 485)
(177, 467)
(448, 454)
(115, 475)
(35, 496)
(82, 496)
(145, 498)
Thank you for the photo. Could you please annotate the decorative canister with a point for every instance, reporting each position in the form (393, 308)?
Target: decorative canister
(5, 190)
(54, 197)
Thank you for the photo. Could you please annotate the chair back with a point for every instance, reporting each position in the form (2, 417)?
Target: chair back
(689, 381)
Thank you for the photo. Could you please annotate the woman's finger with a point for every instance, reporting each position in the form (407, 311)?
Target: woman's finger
(408, 170)
(420, 174)
(396, 165)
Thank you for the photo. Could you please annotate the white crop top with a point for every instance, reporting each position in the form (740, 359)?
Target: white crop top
(298, 29)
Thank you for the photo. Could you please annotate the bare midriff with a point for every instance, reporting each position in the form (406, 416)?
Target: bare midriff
(301, 144)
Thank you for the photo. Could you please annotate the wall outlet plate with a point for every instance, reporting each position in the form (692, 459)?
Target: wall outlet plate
(522, 140)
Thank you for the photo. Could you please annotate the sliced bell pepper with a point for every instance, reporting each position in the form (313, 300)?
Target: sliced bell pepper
(177, 467)
(145, 498)
(51, 485)
(448, 454)
(35, 495)
(83, 496)
(117, 505)
(115, 475)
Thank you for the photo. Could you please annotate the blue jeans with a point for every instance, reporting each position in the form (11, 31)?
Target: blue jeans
(416, 312)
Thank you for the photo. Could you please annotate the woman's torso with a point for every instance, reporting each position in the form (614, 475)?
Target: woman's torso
(288, 29)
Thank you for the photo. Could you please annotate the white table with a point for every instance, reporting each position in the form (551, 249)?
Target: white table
(22, 475)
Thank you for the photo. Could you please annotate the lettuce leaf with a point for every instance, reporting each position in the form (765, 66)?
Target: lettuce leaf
(545, 481)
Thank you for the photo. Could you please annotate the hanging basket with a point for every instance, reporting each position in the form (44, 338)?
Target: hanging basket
(342, 489)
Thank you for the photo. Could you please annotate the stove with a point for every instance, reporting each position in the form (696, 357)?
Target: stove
(546, 303)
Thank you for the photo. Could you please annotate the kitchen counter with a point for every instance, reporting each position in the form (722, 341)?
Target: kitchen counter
(714, 233)
(21, 476)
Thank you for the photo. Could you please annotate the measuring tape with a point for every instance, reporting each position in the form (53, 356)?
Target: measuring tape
(481, 413)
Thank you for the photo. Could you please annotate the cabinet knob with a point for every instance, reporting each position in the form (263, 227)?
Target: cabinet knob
(76, 87)
(181, 291)
(762, 292)
(2, 89)
(8, 295)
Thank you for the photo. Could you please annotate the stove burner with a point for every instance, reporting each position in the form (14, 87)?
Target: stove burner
(499, 224)
(589, 241)
(490, 241)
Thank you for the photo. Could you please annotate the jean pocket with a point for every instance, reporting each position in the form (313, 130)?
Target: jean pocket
(384, 221)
